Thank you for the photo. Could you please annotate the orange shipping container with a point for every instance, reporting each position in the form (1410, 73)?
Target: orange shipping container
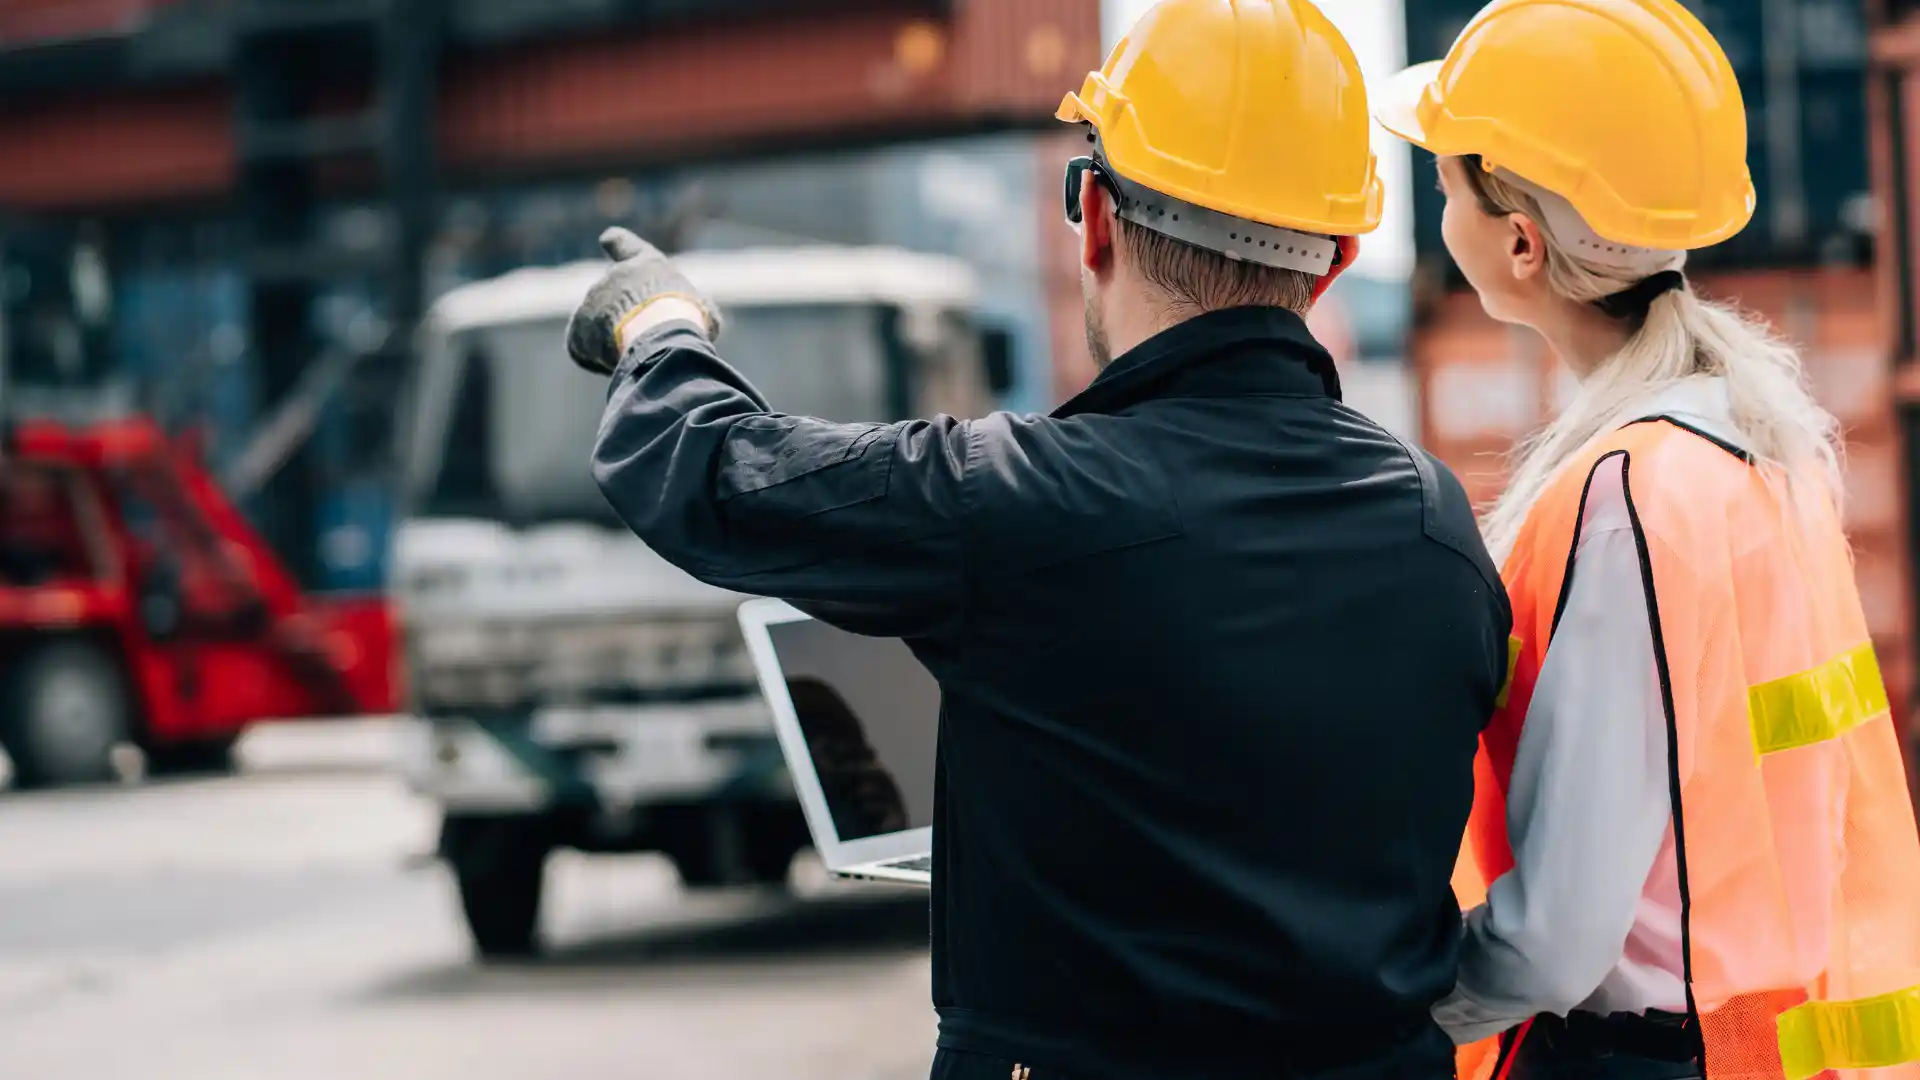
(1484, 385)
(30, 21)
(628, 99)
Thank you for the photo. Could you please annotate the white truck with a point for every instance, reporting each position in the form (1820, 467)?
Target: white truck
(572, 688)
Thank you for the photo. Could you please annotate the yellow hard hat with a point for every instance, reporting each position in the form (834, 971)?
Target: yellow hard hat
(1627, 109)
(1250, 108)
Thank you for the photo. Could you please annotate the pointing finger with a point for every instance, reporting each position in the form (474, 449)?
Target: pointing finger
(620, 244)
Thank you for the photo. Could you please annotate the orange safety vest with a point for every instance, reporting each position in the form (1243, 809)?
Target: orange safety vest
(1798, 856)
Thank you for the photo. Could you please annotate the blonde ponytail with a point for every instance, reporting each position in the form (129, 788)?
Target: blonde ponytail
(1789, 435)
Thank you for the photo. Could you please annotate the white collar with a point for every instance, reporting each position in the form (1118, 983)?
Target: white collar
(1699, 401)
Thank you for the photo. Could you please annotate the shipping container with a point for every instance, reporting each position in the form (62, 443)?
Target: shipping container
(1483, 385)
(773, 80)
(156, 147)
(779, 78)
(1802, 66)
(26, 22)
(1893, 94)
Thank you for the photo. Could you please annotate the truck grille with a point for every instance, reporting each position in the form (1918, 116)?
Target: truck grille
(501, 666)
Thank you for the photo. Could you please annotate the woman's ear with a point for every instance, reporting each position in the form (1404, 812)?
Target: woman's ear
(1526, 247)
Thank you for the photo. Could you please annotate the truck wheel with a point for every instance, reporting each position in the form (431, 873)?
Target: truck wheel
(200, 758)
(728, 844)
(777, 835)
(63, 708)
(700, 863)
(499, 864)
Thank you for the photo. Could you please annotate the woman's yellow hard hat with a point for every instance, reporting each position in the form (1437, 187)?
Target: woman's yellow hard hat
(1250, 108)
(1628, 109)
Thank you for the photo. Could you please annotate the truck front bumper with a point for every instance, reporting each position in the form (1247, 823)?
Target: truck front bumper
(609, 758)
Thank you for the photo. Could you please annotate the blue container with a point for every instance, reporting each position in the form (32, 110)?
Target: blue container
(355, 521)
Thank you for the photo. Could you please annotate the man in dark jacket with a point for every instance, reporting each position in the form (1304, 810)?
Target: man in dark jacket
(1214, 649)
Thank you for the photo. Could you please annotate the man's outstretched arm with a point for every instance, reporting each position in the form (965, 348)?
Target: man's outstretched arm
(859, 524)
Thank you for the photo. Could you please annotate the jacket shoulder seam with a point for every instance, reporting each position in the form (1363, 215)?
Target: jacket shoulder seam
(1430, 512)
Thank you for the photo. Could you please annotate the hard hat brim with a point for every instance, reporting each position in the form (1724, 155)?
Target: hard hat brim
(1072, 110)
(1396, 102)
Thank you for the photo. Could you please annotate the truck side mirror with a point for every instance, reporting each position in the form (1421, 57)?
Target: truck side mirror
(996, 352)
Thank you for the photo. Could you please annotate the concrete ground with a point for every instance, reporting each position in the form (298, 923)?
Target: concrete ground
(284, 924)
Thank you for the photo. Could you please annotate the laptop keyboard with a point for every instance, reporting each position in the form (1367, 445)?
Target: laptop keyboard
(921, 862)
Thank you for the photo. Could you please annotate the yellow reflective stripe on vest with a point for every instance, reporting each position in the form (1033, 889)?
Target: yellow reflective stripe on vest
(1869, 1033)
(1818, 704)
(1513, 664)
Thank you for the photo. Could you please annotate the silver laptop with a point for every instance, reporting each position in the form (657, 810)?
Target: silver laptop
(858, 720)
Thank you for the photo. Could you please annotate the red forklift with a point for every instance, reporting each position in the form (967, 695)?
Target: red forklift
(139, 608)
(137, 605)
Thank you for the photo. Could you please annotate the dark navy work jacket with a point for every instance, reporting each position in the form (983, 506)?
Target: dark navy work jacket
(1214, 652)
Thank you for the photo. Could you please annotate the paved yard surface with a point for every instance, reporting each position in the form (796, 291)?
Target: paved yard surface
(282, 924)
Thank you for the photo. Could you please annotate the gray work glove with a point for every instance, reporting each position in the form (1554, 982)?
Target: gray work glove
(640, 275)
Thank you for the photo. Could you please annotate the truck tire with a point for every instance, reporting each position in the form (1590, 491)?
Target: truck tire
(730, 844)
(499, 864)
(64, 706)
(778, 833)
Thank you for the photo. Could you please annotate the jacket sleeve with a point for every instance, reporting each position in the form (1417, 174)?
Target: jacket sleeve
(857, 524)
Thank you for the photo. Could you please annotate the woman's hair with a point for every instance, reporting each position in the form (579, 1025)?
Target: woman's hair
(1682, 336)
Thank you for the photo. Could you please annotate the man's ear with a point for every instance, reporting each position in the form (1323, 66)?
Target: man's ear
(1526, 247)
(1097, 225)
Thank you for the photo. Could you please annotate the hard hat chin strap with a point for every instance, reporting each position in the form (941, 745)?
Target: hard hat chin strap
(1236, 238)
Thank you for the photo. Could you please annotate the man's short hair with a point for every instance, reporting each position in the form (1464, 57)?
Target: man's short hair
(1209, 281)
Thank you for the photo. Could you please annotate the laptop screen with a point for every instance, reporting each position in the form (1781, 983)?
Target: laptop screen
(871, 714)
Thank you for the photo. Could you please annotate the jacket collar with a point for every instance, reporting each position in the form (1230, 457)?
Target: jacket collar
(1278, 356)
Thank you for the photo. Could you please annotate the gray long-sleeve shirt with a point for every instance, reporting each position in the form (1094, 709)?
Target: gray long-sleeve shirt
(1589, 917)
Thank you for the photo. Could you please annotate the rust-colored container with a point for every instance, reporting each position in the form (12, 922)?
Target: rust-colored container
(649, 97)
(93, 152)
(633, 99)
(1484, 385)
(781, 80)
(25, 22)
(1016, 58)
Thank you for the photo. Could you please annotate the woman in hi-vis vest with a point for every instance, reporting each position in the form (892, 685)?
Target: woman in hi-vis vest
(1692, 851)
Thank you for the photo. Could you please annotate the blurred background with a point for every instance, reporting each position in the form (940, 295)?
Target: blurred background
(348, 736)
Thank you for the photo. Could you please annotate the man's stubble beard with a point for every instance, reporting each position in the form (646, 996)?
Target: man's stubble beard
(1097, 346)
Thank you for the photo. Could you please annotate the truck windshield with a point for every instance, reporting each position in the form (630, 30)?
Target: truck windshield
(503, 425)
